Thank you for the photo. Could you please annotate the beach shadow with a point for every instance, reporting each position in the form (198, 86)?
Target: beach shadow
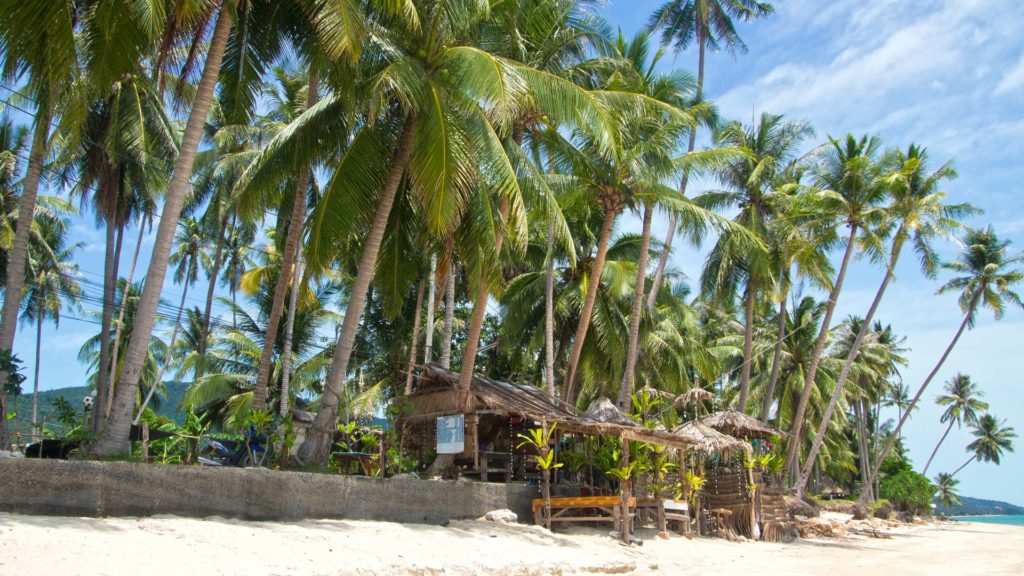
(57, 522)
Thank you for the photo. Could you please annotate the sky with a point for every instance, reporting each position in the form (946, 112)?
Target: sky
(944, 74)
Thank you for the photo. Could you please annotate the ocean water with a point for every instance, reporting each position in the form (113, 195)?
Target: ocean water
(1014, 520)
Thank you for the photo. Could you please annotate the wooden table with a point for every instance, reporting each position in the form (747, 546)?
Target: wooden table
(582, 509)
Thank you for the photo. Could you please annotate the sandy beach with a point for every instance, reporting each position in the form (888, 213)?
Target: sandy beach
(170, 545)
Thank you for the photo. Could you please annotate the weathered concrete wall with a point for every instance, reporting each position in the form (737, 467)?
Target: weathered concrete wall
(79, 488)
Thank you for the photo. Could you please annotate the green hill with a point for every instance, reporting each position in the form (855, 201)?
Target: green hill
(168, 406)
(979, 507)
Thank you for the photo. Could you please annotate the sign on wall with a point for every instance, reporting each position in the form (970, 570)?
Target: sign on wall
(451, 434)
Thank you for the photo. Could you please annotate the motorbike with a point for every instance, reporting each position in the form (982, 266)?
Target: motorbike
(251, 451)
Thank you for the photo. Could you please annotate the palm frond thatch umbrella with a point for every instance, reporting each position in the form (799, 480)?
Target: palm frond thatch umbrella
(604, 411)
(740, 425)
(708, 440)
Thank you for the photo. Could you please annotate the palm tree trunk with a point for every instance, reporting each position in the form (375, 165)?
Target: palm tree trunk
(964, 465)
(858, 414)
(773, 380)
(415, 340)
(837, 391)
(593, 287)
(936, 450)
(659, 272)
(920, 392)
(291, 246)
(449, 317)
(476, 322)
(428, 347)
(101, 408)
(170, 353)
(289, 327)
(18, 255)
(114, 438)
(35, 383)
(748, 342)
(793, 453)
(120, 313)
(633, 348)
(214, 272)
(320, 436)
(549, 311)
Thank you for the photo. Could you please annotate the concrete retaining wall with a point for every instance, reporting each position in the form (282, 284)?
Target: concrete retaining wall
(80, 488)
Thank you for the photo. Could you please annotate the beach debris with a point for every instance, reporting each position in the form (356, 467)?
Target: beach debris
(504, 516)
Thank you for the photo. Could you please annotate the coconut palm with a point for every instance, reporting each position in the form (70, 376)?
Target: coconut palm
(945, 486)
(38, 46)
(750, 181)
(991, 438)
(919, 215)
(52, 283)
(709, 24)
(987, 282)
(963, 405)
(849, 195)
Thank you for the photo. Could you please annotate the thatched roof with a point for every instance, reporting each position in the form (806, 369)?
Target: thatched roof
(708, 439)
(694, 396)
(740, 425)
(437, 394)
(604, 411)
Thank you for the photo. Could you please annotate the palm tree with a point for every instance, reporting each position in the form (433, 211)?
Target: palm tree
(963, 404)
(750, 181)
(39, 47)
(987, 282)
(52, 283)
(849, 194)
(710, 24)
(916, 205)
(945, 486)
(991, 438)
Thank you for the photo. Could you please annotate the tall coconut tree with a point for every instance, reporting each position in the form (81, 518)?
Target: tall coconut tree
(708, 24)
(963, 405)
(945, 486)
(992, 437)
(37, 46)
(749, 183)
(849, 196)
(987, 281)
(52, 283)
(919, 215)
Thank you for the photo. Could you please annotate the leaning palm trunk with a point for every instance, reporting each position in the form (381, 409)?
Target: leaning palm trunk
(748, 343)
(289, 327)
(167, 360)
(476, 322)
(862, 443)
(208, 310)
(936, 450)
(773, 379)
(18, 254)
(837, 391)
(428, 345)
(964, 465)
(116, 344)
(793, 453)
(659, 273)
(415, 340)
(291, 246)
(920, 392)
(449, 317)
(35, 382)
(611, 210)
(114, 438)
(549, 311)
(320, 436)
(633, 348)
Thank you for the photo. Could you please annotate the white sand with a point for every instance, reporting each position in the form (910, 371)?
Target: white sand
(31, 545)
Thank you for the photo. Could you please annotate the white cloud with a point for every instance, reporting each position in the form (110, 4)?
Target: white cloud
(1013, 79)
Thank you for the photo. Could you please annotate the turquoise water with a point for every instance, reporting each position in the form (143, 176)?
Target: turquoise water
(1015, 520)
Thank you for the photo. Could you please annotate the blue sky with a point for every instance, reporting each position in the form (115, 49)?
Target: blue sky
(948, 75)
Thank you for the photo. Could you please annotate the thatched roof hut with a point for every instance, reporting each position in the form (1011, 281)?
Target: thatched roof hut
(708, 439)
(603, 410)
(740, 425)
(694, 396)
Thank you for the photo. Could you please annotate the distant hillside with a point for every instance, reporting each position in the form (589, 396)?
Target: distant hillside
(74, 395)
(979, 507)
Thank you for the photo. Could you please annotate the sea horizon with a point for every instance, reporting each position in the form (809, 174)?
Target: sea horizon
(1011, 519)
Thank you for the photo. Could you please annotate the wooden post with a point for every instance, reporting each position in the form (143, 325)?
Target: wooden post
(753, 503)
(624, 490)
(475, 420)
(145, 442)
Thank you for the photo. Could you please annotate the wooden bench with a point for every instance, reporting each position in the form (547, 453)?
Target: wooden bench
(606, 509)
(670, 510)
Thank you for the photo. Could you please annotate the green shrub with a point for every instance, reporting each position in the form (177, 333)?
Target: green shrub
(908, 491)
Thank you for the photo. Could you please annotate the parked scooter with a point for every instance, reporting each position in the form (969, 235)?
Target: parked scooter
(248, 452)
